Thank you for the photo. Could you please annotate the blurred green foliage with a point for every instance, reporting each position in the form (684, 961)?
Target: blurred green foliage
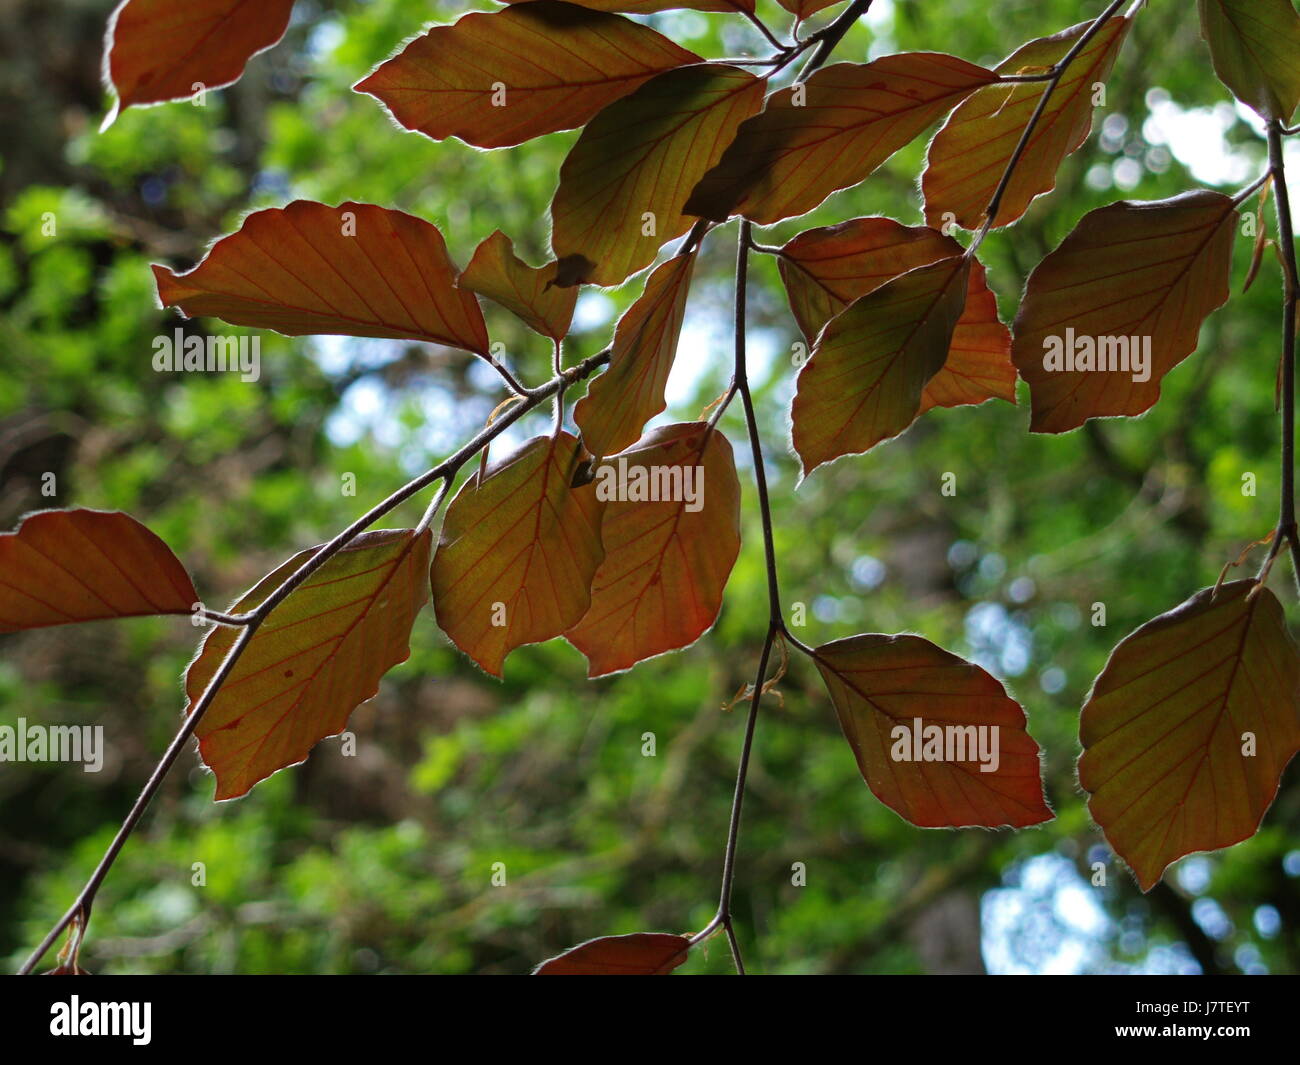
(383, 861)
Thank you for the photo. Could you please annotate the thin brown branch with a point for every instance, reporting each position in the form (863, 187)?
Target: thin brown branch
(1286, 525)
(1053, 79)
(445, 472)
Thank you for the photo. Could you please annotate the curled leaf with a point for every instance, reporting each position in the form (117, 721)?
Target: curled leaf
(631, 392)
(529, 292)
(1261, 238)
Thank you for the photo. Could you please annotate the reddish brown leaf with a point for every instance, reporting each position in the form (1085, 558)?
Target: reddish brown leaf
(651, 7)
(497, 273)
(518, 552)
(631, 392)
(971, 151)
(161, 50)
(1188, 728)
(1261, 238)
(826, 269)
(892, 692)
(831, 132)
(978, 367)
(624, 184)
(318, 656)
(1253, 45)
(503, 77)
(671, 533)
(642, 954)
(868, 372)
(62, 566)
(806, 8)
(1133, 280)
(355, 270)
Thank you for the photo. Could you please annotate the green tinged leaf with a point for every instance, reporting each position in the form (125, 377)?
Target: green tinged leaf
(318, 656)
(1188, 728)
(1254, 45)
(624, 185)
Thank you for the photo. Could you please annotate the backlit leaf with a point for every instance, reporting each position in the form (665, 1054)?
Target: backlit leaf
(517, 553)
(969, 154)
(64, 969)
(641, 954)
(978, 367)
(631, 391)
(625, 183)
(64, 566)
(1132, 275)
(318, 656)
(868, 371)
(831, 132)
(880, 684)
(651, 7)
(1169, 760)
(807, 8)
(497, 273)
(671, 537)
(499, 78)
(160, 50)
(354, 270)
(1261, 238)
(826, 269)
(1254, 45)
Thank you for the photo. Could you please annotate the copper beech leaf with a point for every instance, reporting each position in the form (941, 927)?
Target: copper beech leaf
(318, 656)
(1253, 45)
(65, 566)
(355, 270)
(1261, 239)
(631, 391)
(64, 969)
(894, 694)
(803, 9)
(652, 7)
(671, 534)
(1188, 728)
(831, 132)
(868, 372)
(160, 50)
(625, 182)
(969, 154)
(526, 291)
(517, 554)
(826, 269)
(640, 954)
(1128, 289)
(500, 78)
